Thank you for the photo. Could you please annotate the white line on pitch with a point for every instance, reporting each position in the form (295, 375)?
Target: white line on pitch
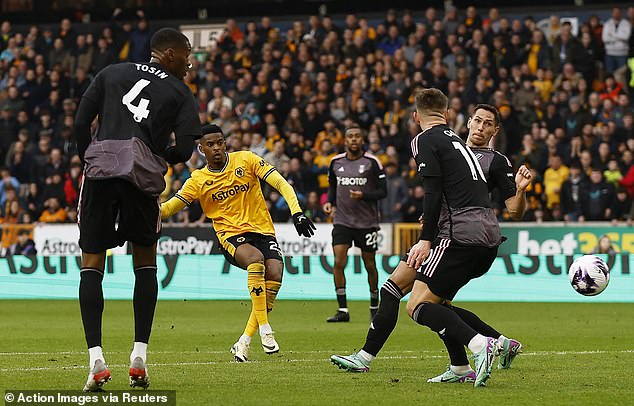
(396, 357)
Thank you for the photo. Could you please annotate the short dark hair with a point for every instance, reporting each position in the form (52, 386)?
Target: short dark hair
(211, 129)
(491, 109)
(431, 100)
(354, 126)
(168, 38)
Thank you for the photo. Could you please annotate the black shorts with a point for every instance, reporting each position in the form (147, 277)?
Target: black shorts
(103, 203)
(451, 266)
(364, 238)
(266, 244)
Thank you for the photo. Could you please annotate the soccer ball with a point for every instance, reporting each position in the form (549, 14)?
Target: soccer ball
(589, 275)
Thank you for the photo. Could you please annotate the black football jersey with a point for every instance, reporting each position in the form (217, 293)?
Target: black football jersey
(466, 215)
(361, 174)
(497, 170)
(140, 105)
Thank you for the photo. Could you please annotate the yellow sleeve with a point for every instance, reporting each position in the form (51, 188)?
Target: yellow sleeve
(261, 168)
(171, 207)
(184, 197)
(286, 190)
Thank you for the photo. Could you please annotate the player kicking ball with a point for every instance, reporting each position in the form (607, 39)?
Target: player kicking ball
(229, 191)
(483, 125)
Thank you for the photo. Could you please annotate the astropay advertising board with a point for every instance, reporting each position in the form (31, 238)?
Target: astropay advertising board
(321, 243)
(61, 239)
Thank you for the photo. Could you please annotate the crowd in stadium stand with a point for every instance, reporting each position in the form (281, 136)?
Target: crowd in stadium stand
(564, 99)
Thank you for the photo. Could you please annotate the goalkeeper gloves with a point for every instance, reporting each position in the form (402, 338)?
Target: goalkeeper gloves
(303, 225)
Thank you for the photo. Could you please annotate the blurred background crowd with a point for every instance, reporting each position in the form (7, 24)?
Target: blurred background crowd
(287, 92)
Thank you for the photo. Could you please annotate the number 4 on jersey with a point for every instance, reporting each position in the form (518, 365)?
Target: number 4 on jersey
(140, 111)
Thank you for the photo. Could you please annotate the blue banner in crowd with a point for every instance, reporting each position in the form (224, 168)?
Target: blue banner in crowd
(512, 278)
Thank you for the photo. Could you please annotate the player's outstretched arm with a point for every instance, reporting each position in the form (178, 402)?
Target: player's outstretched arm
(172, 206)
(303, 225)
(516, 205)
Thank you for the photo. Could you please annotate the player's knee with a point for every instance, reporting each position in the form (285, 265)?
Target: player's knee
(411, 306)
(274, 274)
(340, 263)
(255, 258)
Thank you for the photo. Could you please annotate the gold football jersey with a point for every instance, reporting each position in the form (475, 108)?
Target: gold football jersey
(232, 197)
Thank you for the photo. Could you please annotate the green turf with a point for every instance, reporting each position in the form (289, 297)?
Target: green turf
(573, 354)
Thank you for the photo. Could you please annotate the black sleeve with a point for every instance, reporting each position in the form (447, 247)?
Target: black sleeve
(181, 151)
(187, 129)
(433, 201)
(380, 191)
(187, 122)
(501, 176)
(332, 184)
(426, 157)
(86, 113)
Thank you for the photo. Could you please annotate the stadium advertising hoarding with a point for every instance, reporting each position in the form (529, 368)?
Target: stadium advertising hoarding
(515, 278)
(62, 239)
(321, 243)
(567, 240)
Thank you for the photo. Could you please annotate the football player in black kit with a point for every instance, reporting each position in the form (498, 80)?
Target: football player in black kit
(139, 106)
(483, 126)
(356, 183)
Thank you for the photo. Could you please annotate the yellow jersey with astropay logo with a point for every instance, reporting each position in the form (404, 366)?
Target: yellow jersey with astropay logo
(232, 197)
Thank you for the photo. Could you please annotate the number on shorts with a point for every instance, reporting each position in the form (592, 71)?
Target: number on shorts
(371, 239)
(274, 247)
(139, 111)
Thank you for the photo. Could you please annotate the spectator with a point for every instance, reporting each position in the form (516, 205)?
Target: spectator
(571, 191)
(277, 157)
(615, 36)
(24, 244)
(102, 57)
(313, 208)
(554, 177)
(330, 133)
(413, 207)
(622, 207)
(597, 199)
(140, 41)
(53, 212)
(397, 195)
(604, 246)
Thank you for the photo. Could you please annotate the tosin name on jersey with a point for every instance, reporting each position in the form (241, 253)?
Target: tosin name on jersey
(151, 69)
(346, 181)
(224, 194)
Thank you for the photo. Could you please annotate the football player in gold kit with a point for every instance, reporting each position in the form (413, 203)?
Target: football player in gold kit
(228, 189)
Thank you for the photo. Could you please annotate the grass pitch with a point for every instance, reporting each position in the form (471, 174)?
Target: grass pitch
(573, 354)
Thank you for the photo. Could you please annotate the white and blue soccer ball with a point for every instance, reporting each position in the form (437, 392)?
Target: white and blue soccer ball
(589, 275)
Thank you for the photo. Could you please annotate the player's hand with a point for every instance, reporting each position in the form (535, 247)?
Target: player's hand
(523, 178)
(356, 194)
(327, 207)
(303, 225)
(418, 254)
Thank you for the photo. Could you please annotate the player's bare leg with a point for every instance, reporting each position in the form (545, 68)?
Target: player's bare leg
(341, 260)
(369, 260)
